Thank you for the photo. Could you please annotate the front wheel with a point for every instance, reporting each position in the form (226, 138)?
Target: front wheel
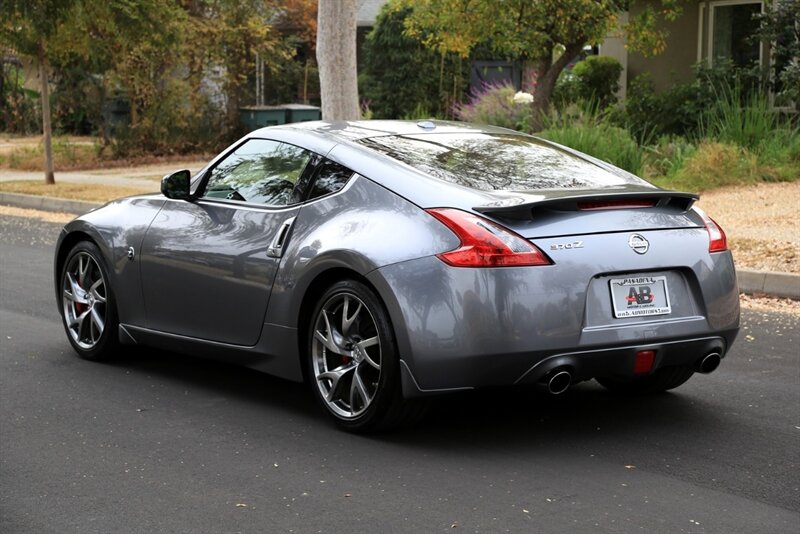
(88, 308)
(353, 359)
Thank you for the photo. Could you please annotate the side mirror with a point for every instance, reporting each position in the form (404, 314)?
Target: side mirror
(176, 185)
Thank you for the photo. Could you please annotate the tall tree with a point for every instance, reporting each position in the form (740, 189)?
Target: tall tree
(545, 34)
(30, 28)
(336, 57)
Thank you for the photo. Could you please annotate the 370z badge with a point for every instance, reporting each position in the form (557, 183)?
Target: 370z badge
(566, 246)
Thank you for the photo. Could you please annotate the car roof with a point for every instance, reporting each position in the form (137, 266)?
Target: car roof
(358, 130)
(343, 142)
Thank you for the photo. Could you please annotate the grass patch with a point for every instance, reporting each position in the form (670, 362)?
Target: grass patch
(66, 155)
(72, 155)
(71, 191)
(714, 164)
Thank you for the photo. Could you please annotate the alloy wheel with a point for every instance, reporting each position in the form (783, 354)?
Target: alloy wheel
(346, 355)
(84, 300)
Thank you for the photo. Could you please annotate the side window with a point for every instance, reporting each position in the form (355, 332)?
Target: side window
(331, 178)
(259, 171)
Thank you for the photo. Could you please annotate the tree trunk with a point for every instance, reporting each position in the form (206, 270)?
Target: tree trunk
(545, 72)
(336, 59)
(49, 176)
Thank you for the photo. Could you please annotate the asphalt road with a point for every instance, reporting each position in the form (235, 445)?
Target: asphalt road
(158, 442)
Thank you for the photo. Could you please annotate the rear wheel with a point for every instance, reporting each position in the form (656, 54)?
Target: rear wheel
(662, 379)
(353, 360)
(88, 308)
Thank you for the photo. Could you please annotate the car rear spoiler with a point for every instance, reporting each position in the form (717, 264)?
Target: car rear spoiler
(522, 207)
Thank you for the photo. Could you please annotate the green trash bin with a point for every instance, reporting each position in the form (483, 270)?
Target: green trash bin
(302, 113)
(255, 117)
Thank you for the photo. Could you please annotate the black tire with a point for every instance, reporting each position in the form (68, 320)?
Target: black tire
(661, 380)
(355, 373)
(90, 318)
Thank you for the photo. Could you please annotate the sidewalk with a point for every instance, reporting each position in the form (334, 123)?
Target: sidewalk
(143, 177)
(778, 284)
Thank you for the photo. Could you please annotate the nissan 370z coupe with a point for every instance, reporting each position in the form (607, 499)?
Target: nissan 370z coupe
(388, 261)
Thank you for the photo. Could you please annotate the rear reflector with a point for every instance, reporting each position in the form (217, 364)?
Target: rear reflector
(717, 241)
(644, 362)
(485, 243)
(615, 204)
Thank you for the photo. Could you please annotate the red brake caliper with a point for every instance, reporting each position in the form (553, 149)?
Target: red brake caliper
(79, 306)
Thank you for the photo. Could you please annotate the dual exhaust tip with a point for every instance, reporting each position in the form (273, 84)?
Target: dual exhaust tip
(708, 363)
(557, 381)
(560, 379)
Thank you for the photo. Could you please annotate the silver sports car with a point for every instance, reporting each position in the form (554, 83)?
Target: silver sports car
(385, 262)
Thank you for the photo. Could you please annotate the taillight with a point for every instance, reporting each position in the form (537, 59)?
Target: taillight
(717, 242)
(485, 243)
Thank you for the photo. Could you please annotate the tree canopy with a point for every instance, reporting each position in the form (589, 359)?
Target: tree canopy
(546, 34)
(31, 28)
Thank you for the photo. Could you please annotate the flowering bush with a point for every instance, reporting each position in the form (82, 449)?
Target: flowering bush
(498, 105)
(521, 97)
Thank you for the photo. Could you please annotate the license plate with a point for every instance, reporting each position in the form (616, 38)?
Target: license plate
(639, 296)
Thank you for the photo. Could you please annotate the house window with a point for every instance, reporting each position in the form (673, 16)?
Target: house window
(730, 34)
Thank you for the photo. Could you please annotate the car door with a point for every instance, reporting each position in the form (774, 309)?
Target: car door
(208, 265)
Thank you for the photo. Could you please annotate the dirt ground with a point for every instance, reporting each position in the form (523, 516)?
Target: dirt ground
(762, 223)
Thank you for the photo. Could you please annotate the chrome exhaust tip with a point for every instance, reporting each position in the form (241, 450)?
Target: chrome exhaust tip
(708, 363)
(559, 382)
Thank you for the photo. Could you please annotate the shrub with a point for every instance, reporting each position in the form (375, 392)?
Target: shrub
(597, 79)
(713, 165)
(649, 115)
(666, 156)
(495, 104)
(596, 136)
(171, 125)
(566, 90)
(680, 109)
(747, 121)
(19, 107)
(77, 101)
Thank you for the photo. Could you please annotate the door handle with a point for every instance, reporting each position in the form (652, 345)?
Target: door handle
(275, 249)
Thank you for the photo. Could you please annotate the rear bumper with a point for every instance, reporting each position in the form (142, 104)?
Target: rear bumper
(470, 328)
(619, 362)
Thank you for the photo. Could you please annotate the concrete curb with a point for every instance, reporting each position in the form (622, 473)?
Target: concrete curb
(37, 202)
(769, 283)
(750, 282)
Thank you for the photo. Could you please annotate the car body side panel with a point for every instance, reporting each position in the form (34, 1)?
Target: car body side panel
(115, 228)
(483, 327)
(206, 272)
(361, 228)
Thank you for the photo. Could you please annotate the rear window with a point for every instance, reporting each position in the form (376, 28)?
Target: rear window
(497, 162)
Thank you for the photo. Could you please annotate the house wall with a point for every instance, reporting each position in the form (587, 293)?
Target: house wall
(675, 63)
(615, 46)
